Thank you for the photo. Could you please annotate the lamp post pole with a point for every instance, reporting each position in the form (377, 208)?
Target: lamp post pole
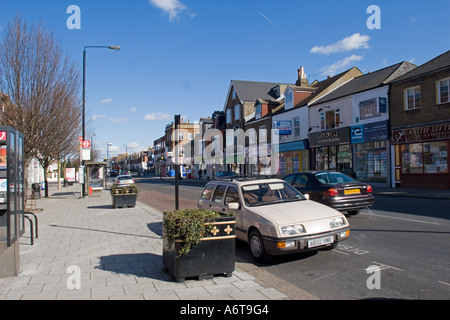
(83, 119)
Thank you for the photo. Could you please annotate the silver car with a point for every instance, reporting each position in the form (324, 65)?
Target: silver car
(123, 180)
(274, 218)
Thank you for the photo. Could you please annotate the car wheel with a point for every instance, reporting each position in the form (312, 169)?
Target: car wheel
(257, 248)
(353, 212)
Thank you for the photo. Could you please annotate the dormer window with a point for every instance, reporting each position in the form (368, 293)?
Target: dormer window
(258, 111)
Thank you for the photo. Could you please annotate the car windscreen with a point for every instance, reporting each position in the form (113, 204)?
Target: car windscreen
(332, 178)
(124, 178)
(269, 193)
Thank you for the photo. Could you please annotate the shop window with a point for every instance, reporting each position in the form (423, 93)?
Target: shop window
(435, 157)
(412, 160)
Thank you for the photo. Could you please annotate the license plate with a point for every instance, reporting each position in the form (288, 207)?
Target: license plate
(352, 191)
(320, 242)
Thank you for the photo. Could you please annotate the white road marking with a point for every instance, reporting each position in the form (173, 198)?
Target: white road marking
(397, 218)
(385, 266)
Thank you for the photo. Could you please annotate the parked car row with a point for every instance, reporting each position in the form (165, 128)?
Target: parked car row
(301, 212)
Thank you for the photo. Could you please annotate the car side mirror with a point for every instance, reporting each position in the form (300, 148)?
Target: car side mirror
(233, 206)
(306, 196)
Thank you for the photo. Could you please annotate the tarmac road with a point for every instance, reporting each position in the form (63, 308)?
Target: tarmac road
(404, 239)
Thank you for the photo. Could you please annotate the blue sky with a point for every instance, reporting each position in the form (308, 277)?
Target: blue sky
(179, 56)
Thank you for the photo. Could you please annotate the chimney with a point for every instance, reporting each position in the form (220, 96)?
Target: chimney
(302, 81)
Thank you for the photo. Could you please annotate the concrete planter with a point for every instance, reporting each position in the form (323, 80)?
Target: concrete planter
(127, 200)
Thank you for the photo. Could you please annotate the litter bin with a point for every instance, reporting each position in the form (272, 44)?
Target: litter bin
(37, 190)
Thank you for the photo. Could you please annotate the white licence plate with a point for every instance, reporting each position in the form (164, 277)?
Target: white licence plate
(320, 242)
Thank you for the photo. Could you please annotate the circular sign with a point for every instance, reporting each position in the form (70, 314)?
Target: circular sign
(86, 144)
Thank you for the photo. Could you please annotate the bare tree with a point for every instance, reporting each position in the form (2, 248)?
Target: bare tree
(43, 85)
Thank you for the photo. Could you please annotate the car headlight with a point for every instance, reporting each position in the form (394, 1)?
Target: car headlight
(337, 222)
(293, 230)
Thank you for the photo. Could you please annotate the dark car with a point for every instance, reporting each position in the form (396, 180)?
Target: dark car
(225, 174)
(333, 189)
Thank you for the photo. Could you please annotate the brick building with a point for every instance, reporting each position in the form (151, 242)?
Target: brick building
(420, 124)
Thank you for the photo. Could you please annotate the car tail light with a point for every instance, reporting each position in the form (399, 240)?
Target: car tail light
(331, 192)
(369, 189)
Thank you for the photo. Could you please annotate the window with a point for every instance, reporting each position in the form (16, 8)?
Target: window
(258, 111)
(322, 121)
(368, 109)
(262, 133)
(218, 195)
(412, 98)
(444, 91)
(232, 195)
(435, 157)
(301, 181)
(229, 115)
(237, 112)
(297, 127)
(412, 158)
(206, 194)
(429, 157)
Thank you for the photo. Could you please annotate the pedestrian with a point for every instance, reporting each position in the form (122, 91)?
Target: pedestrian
(200, 174)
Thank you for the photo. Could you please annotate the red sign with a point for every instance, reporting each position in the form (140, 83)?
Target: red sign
(81, 139)
(420, 134)
(86, 144)
(3, 135)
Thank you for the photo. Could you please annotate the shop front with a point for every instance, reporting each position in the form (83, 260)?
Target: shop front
(331, 150)
(293, 157)
(371, 147)
(421, 156)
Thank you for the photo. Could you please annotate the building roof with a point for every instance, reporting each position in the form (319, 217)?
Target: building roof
(250, 91)
(368, 81)
(440, 62)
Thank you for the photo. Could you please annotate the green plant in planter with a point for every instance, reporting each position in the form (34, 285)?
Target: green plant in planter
(188, 225)
(131, 189)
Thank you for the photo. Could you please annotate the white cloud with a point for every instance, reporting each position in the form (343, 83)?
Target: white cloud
(157, 116)
(97, 116)
(109, 100)
(118, 120)
(354, 42)
(339, 65)
(133, 109)
(171, 7)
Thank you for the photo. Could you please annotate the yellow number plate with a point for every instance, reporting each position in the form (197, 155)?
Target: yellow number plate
(352, 191)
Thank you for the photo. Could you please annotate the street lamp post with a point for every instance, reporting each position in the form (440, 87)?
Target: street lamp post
(83, 119)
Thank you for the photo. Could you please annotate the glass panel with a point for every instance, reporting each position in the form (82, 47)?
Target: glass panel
(12, 188)
(435, 157)
(232, 195)
(412, 161)
(218, 195)
(20, 183)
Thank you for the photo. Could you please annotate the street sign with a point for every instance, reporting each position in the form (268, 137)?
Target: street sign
(86, 144)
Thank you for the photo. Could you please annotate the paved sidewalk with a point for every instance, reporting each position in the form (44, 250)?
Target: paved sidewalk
(118, 254)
